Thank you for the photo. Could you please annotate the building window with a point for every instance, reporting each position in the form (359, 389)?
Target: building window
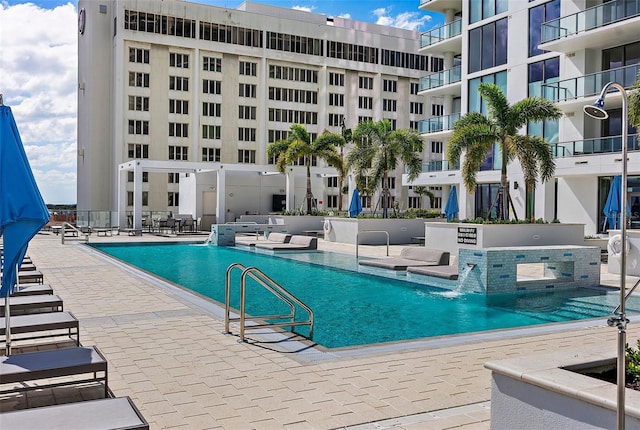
(145, 198)
(476, 103)
(365, 82)
(332, 201)
(538, 15)
(483, 9)
(178, 83)
(247, 156)
(248, 68)
(389, 86)
(389, 105)
(436, 147)
(246, 134)
(247, 112)
(210, 86)
(174, 199)
(138, 127)
(178, 129)
(139, 79)
(138, 150)
(394, 123)
(415, 87)
(364, 119)
(179, 106)
(414, 125)
(416, 108)
(211, 131)
(178, 153)
(332, 182)
(248, 90)
(211, 154)
(212, 64)
(145, 176)
(138, 55)
(179, 60)
(366, 201)
(336, 79)
(437, 110)
(414, 202)
(488, 45)
(139, 103)
(174, 178)
(336, 99)
(211, 109)
(335, 119)
(365, 102)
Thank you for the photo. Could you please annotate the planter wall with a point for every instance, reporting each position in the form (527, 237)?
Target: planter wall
(298, 224)
(538, 392)
(401, 231)
(448, 237)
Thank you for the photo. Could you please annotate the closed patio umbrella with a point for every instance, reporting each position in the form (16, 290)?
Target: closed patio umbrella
(451, 209)
(22, 210)
(355, 207)
(613, 206)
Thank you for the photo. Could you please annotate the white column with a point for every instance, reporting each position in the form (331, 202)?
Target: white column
(137, 195)
(122, 198)
(290, 190)
(221, 196)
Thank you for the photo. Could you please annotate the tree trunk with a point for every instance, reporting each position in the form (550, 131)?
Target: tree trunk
(309, 194)
(384, 195)
(340, 182)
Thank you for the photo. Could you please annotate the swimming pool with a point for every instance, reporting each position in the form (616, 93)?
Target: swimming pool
(354, 308)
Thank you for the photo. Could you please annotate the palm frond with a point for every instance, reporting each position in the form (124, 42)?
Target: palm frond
(497, 102)
(533, 109)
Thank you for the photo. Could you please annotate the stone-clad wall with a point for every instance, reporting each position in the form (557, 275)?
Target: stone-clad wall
(495, 269)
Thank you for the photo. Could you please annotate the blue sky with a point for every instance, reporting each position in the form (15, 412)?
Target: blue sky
(38, 72)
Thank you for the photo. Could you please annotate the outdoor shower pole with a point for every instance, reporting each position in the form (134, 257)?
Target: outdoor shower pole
(597, 111)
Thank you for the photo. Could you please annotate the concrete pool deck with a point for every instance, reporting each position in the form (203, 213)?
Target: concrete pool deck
(167, 351)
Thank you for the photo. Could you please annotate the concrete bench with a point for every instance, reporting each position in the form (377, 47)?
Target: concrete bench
(410, 257)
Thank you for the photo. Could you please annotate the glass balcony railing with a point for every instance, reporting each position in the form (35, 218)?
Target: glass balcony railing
(588, 19)
(441, 33)
(446, 77)
(599, 145)
(438, 166)
(438, 123)
(588, 85)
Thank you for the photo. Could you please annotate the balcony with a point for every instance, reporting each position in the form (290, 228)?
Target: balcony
(588, 85)
(447, 38)
(437, 166)
(441, 5)
(599, 145)
(603, 26)
(438, 123)
(441, 79)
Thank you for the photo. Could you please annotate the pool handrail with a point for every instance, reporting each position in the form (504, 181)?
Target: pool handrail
(274, 288)
(371, 231)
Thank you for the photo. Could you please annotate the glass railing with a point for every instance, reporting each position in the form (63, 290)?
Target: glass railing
(441, 33)
(599, 145)
(589, 85)
(438, 123)
(438, 166)
(588, 19)
(446, 77)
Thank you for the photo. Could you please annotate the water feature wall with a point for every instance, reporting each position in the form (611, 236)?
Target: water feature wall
(495, 270)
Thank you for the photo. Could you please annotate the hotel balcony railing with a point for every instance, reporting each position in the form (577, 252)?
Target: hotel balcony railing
(589, 85)
(598, 145)
(438, 123)
(438, 166)
(441, 33)
(439, 79)
(588, 19)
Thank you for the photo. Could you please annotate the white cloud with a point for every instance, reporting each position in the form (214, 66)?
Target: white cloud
(345, 15)
(39, 59)
(303, 8)
(407, 20)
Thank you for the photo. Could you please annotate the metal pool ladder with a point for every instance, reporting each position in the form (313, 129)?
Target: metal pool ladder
(261, 321)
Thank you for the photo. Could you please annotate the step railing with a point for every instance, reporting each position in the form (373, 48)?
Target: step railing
(78, 234)
(370, 231)
(262, 321)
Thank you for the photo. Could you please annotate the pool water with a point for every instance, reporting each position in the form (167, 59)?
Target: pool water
(352, 308)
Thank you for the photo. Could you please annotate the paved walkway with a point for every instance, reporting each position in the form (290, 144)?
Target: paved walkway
(166, 349)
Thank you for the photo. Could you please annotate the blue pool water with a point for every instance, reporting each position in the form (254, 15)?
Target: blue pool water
(354, 308)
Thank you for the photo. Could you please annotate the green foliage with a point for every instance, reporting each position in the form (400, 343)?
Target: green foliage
(633, 362)
(480, 220)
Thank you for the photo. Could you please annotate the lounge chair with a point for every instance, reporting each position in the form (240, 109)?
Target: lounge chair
(32, 290)
(33, 304)
(296, 243)
(41, 326)
(102, 414)
(33, 276)
(410, 257)
(19, 369)
(443, 272)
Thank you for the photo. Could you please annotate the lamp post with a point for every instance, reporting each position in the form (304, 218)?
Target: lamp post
(597, 111)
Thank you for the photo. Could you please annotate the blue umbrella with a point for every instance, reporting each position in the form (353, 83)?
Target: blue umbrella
(22, 209)
(613, 206)
(451, 209)
(355, 207)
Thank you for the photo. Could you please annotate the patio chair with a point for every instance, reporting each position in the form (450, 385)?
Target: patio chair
(101, 414)
(33, 304)
(32, 290)
(41, 326)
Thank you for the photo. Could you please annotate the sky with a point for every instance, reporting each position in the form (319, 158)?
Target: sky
(38, 72)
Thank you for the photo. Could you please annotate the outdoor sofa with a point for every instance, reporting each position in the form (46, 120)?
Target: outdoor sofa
(409, 257)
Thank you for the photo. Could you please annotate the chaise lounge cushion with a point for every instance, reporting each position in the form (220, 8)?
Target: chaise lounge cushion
(410, 257)
(443, 272)
(276, 237)
(296, 243)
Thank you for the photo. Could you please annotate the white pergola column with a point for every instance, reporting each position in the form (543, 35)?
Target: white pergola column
(122, 198)
(290, 190)
(221, 196)
(137, 195)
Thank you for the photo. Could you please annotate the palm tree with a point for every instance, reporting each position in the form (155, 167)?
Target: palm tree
(298, 145)
(422, 191)
(379, 149)
(347, 135)
(634, 104)
(476, 134)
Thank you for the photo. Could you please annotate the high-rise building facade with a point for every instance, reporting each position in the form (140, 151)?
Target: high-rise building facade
(179, 83)
(562, 50)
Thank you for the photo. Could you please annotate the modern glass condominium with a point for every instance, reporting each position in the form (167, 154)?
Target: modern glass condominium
(560, 50)
(203, 88)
